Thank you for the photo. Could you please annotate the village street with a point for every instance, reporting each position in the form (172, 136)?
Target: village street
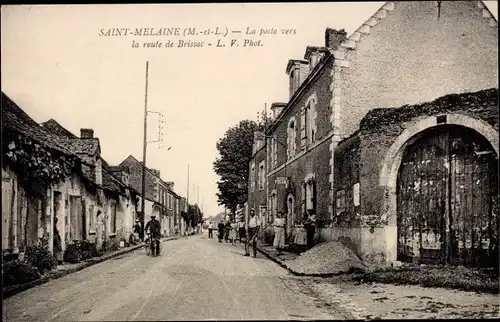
(199, 279)
(194, 278)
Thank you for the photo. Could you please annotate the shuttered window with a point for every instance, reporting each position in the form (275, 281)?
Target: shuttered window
(275, 153)
(303, 127)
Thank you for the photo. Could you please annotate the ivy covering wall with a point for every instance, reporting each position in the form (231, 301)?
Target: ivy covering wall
(37, 166)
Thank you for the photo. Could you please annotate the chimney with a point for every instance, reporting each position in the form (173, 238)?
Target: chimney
(333, 38)
(276, 108)
(298, 70)
(86, 133)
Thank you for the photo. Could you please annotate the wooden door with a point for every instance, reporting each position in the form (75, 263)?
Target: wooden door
(446, 196)
(31, 228)
(7, 195)
(75, 204)
(84, 220)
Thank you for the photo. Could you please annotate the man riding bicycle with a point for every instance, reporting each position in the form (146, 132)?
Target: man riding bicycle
(154, 227)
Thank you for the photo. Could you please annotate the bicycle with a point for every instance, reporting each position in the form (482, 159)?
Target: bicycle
(149, 245)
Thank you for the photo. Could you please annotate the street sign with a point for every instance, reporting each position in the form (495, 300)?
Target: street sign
(281, 180)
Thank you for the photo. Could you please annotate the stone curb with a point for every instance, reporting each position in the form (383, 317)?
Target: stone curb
(8, 292)
(285, 266)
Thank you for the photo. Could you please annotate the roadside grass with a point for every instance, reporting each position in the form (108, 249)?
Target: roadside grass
(461, 278)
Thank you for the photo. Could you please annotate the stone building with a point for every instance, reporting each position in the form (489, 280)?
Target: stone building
(103, 198)
(257, 189)
(322, 154)
(34, 167)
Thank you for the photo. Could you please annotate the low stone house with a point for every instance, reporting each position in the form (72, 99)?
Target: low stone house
(106, 204)
(35, 167)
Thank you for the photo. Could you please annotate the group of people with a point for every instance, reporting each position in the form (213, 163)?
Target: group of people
(228, 230)
(232, 231)
(279, 230)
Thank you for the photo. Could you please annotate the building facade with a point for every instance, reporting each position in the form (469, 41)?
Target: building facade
(320, 155)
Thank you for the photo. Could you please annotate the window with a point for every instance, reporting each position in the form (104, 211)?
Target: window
(113, 218)
(308, 123)
(252, 177)
(355, 194)
(91, 218)
(262, 175)
(340, 204)
(275, 152)
(310, 195)
(291, 138)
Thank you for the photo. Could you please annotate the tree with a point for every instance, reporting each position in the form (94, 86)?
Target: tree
(194, 215)
(235, 152)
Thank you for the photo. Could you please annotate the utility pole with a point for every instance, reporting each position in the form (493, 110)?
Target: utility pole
(187, 201)
(143, 206)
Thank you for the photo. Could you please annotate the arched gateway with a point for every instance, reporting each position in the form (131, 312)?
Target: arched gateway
(442, 193)
(447, 198)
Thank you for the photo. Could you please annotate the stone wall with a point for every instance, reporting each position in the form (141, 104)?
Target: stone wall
(406, 54)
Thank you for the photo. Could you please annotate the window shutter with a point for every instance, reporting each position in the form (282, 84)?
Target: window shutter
(269, 154)
(303, 198)
(275, 151)
(303, 136)
(314, 196)
(288, 145)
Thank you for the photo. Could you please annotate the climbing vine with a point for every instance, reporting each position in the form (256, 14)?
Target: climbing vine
(37, 166)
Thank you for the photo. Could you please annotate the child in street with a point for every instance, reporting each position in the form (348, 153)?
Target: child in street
(233, 233)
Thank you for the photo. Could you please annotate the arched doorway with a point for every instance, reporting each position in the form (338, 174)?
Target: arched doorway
(447, 198)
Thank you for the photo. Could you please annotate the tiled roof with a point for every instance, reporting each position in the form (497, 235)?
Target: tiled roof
(117, 168)
(55, 128)
(81, 146)
(131, 157)
(14, 118)
(111, 183)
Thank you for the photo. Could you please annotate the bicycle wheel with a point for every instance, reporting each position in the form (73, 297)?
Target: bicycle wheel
(148, 250)
(153, 250)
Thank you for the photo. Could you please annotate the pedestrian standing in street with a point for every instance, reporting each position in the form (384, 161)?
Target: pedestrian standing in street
(227, 229)
(234, 232)
(310, 227)
(58, 251)
(220, 235)
(137, 231)
(253, 230)
(241, 230)
(210, 230)
(279, 232)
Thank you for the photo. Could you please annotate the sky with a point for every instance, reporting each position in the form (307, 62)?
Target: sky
(56, 63)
